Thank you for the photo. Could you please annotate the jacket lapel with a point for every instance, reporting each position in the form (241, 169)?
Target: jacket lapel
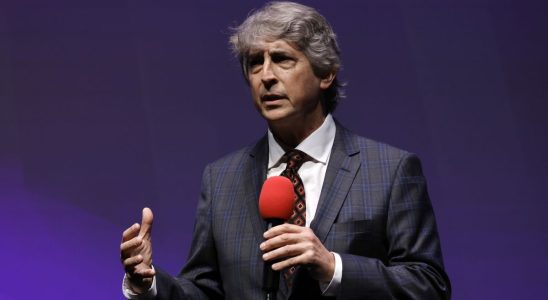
(256, 168)
(341, 170)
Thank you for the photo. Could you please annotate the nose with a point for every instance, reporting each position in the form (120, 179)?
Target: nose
(267, 75)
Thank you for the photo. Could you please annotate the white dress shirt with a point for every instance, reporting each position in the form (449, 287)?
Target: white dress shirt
(318, 146)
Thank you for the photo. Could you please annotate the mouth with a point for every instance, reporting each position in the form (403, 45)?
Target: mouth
(271, 97)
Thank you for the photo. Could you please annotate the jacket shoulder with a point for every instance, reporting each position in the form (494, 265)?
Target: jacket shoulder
(239, 158)
(376, 156)
(370, 148)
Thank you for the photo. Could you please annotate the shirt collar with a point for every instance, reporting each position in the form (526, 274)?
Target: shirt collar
(317, 145)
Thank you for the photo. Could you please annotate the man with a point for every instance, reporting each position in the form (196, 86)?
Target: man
(369, 230)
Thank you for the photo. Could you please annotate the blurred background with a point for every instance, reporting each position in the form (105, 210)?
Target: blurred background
(107, 106)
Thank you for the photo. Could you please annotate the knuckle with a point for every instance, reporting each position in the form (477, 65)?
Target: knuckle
(287, 250)
(127, 263)
(293, 261)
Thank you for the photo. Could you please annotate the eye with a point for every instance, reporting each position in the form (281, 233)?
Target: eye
(254, 63)
(283, 60)
(278, 57)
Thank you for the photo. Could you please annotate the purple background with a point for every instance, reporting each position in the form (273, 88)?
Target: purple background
(107, 106)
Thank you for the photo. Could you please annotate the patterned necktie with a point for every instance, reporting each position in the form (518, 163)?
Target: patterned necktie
(295, 159)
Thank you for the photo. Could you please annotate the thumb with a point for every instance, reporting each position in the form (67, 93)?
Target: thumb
(146, 222)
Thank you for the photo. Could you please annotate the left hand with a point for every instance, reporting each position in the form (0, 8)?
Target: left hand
(292, 245)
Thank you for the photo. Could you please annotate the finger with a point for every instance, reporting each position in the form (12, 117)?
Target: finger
(281, 229)
(280, 241)
(131, 232)
(145, 272)
(131, 263)
(287, 263)
(284, 252)
(146, 222)
(127, 247)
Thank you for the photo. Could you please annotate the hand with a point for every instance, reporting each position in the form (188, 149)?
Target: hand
(136, 253)
(292, 245)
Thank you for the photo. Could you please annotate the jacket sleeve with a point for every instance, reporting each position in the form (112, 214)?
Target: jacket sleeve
(200, 278)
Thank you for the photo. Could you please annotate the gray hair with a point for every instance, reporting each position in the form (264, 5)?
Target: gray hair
(300, 25)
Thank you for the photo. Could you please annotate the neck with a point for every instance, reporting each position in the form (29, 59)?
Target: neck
(290, 134)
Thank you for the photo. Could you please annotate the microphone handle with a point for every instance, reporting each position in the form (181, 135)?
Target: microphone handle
(271, 278)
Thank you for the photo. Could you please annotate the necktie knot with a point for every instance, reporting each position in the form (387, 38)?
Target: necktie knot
(295, 159)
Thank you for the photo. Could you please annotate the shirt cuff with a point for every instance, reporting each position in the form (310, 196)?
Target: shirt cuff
(331, 288)
(130, 294)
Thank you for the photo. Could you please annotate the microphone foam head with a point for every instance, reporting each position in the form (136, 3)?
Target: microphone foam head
(277, 198)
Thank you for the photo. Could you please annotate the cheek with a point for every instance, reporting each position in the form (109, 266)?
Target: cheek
(301, 82)
(255, 97)
(301, 88)
(255, 89)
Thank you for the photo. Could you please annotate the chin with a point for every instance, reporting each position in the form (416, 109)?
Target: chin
(275, 115)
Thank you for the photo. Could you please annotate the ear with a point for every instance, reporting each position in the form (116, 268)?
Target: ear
(326, 82)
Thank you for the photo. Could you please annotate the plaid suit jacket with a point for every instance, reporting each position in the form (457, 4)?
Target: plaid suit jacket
(374, 211)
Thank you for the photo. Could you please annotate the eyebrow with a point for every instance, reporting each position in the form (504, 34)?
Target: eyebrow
(256, 52)
(279, 52)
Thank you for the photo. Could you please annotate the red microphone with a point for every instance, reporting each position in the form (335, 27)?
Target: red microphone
(275, 206)
(277, 198)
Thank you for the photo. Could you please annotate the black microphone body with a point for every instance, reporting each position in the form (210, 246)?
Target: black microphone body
(276, 203)
(271, 278)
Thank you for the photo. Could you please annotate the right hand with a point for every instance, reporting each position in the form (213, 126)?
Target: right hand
(136, 253)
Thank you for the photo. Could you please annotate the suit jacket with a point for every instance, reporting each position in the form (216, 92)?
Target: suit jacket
(374, 211)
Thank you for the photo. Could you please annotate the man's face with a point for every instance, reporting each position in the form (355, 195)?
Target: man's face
(284, 88)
